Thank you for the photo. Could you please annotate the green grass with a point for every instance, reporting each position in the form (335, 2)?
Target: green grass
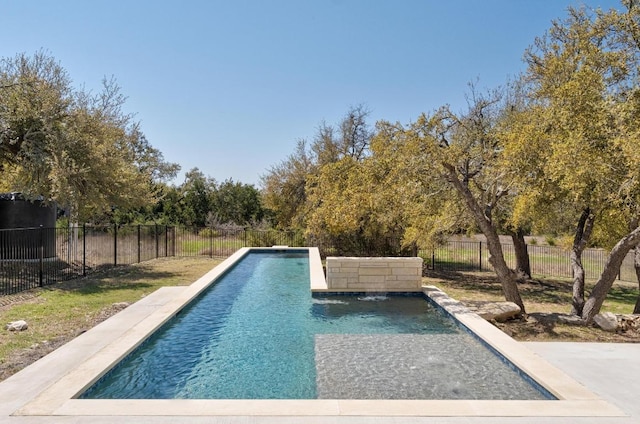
(197, 245)
(193, 247)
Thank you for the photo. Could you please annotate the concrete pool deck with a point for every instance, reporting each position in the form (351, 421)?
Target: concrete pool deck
(597, 383)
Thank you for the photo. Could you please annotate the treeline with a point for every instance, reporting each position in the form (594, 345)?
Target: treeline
(200, 201)
(554, 151)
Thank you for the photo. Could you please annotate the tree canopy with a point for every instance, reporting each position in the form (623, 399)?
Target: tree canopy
(76, 148)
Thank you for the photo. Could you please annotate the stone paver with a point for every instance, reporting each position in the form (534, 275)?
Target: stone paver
(610, 370)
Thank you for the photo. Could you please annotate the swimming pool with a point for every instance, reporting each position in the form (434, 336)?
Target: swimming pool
(258, 333)
(49, 389)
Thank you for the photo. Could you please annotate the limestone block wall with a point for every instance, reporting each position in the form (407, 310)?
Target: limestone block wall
(374, 274)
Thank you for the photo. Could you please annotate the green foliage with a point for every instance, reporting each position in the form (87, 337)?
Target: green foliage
(351, 208)
(284, 188)
(196, 192)
(203, 202)
(287, 186)
(75, 148)
(582, 76)
(236, 203)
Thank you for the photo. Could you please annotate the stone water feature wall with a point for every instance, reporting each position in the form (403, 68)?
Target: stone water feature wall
(374, 274)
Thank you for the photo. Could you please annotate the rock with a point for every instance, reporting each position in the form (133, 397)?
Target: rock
(607, 321)
(17, 326)
(571, 319)
(498, 311)
(120, 305)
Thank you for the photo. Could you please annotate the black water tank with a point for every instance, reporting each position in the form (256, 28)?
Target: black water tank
(26, 228)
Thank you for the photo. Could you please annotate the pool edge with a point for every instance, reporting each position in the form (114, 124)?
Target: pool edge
(549, 377)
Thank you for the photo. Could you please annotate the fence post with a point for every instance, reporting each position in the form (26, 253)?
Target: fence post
(138, 243)
(166, 240)
(156, 234)
(115, 244)
(480, 255)
(433, 259)
(84, 249)
(41, 257)
(175, 241)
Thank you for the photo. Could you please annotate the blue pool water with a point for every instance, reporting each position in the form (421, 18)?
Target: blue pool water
(258, 333)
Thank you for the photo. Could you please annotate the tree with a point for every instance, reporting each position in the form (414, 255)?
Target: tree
(583, 76)
(447, 153)
(166, 210)
(284, 188)
(466, 150)
(35, 99)
(355, 134)
(75, 148)
(236, 203)
(347, 201)
(197, 192)
(351, 208)
(410, 200)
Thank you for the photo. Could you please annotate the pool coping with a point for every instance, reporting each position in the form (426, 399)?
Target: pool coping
(58, 378)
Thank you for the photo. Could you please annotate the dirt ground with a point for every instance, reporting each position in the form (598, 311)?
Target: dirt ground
(547, 302)
(538, 326)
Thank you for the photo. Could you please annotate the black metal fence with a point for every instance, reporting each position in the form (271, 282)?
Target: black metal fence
(37, 257)
(549, 261)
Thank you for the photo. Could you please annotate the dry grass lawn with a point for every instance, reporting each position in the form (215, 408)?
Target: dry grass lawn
(56, 314)
(544, 300)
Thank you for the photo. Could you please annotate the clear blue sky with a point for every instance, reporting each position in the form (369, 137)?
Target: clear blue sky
(230, 86)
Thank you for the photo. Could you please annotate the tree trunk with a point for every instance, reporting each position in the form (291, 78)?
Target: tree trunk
(523, 266)
(636, 265)
(580, 240)
(507, 276)
(611, 268)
